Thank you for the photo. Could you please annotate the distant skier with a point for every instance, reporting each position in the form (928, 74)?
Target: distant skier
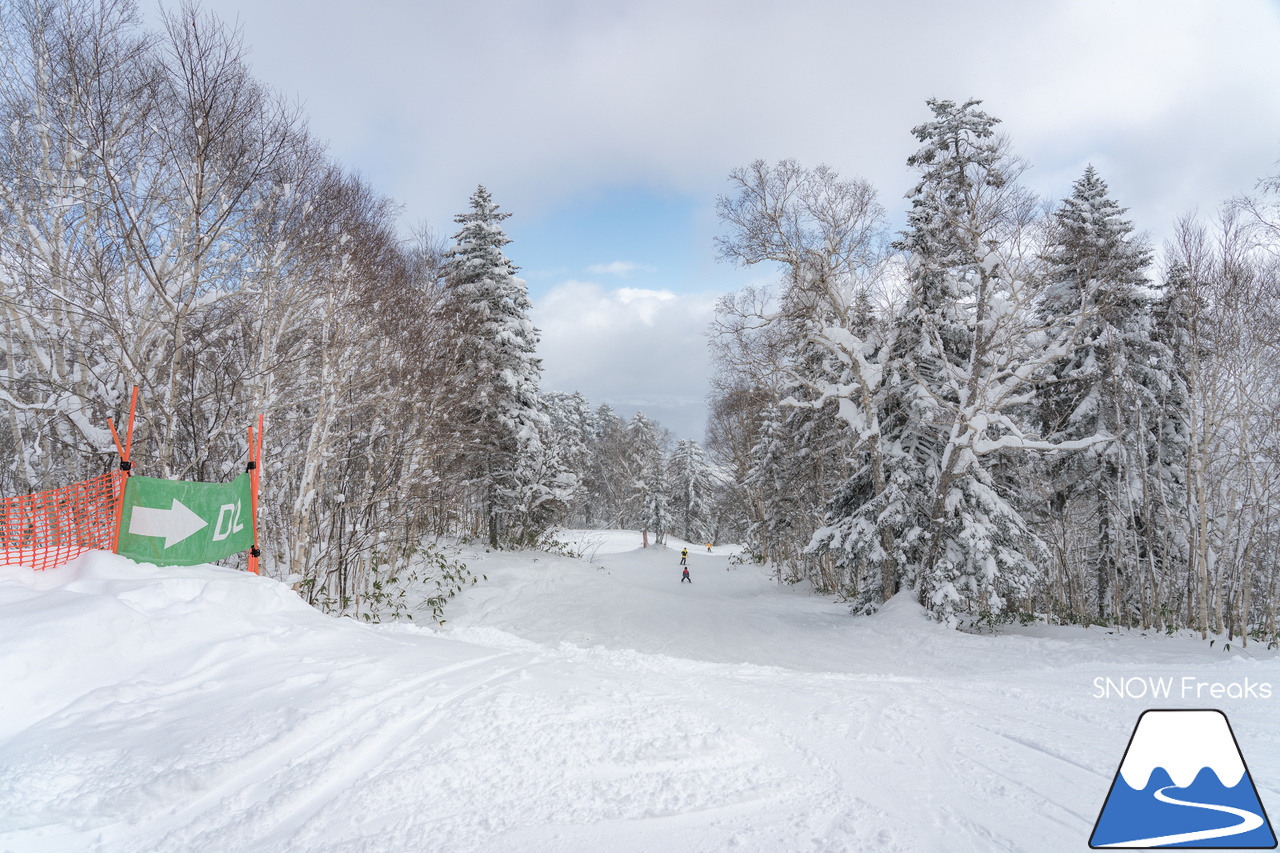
(708, 547)
(685, 576)
(684, 557)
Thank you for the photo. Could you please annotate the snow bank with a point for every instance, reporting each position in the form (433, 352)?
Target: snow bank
(103, 620)
(904, 611)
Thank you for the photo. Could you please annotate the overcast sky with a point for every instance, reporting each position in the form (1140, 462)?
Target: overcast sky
(607, 129)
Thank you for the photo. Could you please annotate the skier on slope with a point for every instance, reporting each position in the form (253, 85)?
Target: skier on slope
(685, 576)
(684, 557)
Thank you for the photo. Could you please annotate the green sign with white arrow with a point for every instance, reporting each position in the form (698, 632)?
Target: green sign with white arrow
(175, 523)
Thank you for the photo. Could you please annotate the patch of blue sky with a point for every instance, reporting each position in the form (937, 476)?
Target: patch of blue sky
(622, 236)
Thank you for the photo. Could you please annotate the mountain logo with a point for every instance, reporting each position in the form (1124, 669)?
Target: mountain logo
(1183, 783)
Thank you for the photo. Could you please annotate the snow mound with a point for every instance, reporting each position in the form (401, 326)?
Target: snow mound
(903, 610)
(102, 619)
(146, 587)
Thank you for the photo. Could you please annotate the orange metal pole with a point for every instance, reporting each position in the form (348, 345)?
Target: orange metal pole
(125, 466)
(115, 436)
(128, 440)
(257, 486)
(255, 471)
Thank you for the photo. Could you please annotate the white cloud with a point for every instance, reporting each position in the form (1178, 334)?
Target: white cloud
(1176, 97)
(631, 348)
(1175, 102)
(621, 269)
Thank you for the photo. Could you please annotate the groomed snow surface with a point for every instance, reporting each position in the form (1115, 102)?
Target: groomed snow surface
(568, 704)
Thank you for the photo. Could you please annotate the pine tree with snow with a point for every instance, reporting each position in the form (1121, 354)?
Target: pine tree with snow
(691, 482)
(1171, 527)
(953, 372)
(802, 461)
(920, 509)
(644, 466)
(1107, 386)
(548, 479)
(500, 370)
(570, 423)
(777, 536)
(1096, 266)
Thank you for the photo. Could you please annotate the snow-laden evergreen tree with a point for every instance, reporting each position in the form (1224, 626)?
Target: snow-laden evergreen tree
(779, 534)
(570, 426)
(958, 363)
(607, 480)
(1183, 444)
(499, 366)
(1112, 384)
(691, 482)
(1023, 390)
(548, 479)
(648, 504)
(803, 459)
(832, 426)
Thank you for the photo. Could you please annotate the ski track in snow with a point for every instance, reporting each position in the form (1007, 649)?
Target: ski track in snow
(567, 705)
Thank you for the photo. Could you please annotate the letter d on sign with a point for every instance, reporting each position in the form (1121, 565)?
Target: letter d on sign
(226, 518)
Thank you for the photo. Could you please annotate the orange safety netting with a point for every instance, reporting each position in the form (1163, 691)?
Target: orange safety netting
(47, 529)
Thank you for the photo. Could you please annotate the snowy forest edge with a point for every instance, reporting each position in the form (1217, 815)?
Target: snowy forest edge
(1012, 408)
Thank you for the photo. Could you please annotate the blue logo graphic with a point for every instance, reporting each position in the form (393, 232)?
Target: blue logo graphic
(1183, 783)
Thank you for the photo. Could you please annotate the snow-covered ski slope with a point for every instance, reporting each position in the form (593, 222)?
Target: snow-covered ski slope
(567, 705)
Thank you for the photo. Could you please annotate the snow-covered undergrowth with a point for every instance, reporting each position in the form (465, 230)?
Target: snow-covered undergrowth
(568, 704)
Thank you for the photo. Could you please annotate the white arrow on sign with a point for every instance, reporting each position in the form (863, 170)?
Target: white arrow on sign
(173, 524)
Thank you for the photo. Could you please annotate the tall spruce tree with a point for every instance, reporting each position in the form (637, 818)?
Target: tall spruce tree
(777, 478)
(690, 480)
(1108, 385)
(953, 371)
(1178, 458)
(499, 368)
(648, 502)
(568, 445)
(807, 460)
